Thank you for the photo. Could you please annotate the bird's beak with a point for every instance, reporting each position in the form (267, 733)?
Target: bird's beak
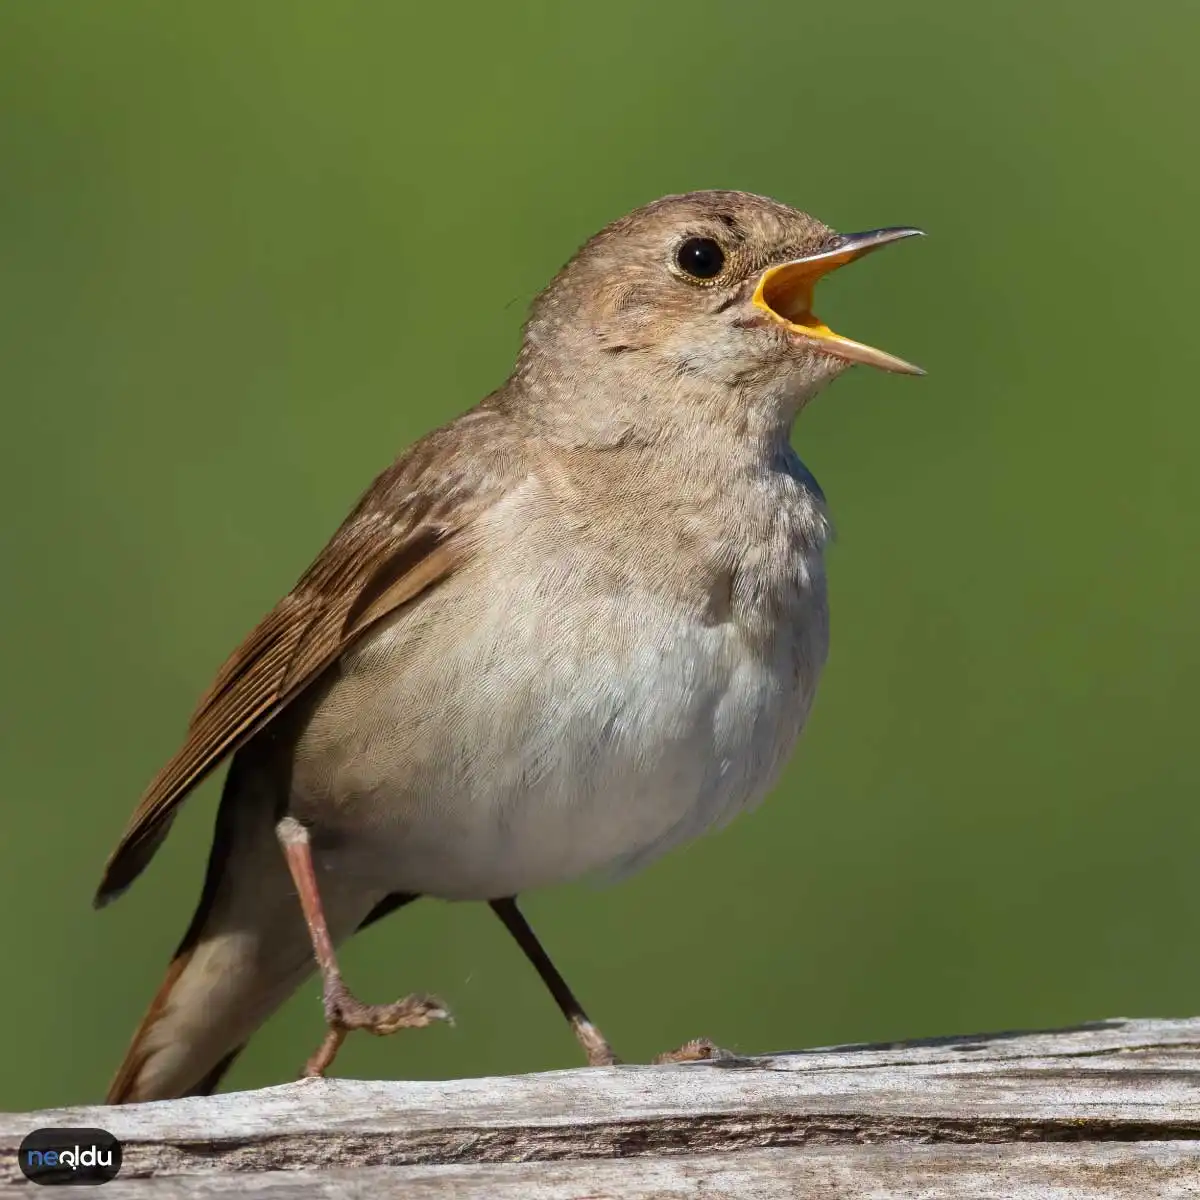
(785, 292)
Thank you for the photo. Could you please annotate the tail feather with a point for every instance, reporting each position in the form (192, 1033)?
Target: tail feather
(132, 1080)
(246, 951)
(123, 1088)
(213, 998)
(209, 1083)
(120, 1090)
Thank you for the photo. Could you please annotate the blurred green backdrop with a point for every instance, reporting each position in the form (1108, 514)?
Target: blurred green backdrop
(249, 251)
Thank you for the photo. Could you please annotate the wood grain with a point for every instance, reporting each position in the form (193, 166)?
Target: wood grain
(1106, 1110)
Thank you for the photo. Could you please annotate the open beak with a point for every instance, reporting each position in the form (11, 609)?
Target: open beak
(786, 291)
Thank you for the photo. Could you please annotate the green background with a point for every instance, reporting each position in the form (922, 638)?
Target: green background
(248, 251)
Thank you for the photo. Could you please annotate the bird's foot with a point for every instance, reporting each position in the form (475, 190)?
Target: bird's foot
(595, 1044)
(344, 1013)
(697, 1050)
(600, 1053)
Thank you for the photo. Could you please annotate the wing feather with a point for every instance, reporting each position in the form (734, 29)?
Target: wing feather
(407, 534)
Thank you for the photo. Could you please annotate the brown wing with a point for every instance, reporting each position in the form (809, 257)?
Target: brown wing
(406, 534)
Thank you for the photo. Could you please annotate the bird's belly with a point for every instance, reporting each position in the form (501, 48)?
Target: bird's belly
(544, 748)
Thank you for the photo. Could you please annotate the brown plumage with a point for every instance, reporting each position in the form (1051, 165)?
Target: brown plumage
(572, 628)
(398, 541)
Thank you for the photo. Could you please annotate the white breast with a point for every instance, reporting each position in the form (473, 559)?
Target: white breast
(567, 727)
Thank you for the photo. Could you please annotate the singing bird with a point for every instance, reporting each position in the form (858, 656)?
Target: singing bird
(573, 628)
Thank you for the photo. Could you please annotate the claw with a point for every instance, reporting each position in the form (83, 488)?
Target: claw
(697, 1050)
(413, 1012)
(345, 1013)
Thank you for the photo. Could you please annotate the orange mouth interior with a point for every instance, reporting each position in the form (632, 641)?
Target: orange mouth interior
(785, 292)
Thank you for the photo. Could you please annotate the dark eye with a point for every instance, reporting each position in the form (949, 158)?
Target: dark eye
(700, 257)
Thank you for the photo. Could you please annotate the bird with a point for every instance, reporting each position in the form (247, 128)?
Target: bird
(575, 627)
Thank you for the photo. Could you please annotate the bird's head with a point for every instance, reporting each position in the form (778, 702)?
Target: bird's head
(709, 293)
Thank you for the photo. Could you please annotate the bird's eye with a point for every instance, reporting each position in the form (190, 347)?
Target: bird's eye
(700, 257)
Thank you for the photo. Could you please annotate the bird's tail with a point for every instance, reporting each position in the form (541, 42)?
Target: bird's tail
(176, 1050)
(246, 951)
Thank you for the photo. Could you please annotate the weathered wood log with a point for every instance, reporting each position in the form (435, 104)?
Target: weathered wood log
(1109, 1110)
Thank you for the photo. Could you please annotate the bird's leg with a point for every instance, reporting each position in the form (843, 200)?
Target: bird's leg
(595, 1045)
(343, 1010)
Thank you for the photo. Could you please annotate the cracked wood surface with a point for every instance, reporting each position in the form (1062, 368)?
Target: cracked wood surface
(1106, 1110)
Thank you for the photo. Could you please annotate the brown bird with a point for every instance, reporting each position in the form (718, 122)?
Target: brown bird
(564, 633)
